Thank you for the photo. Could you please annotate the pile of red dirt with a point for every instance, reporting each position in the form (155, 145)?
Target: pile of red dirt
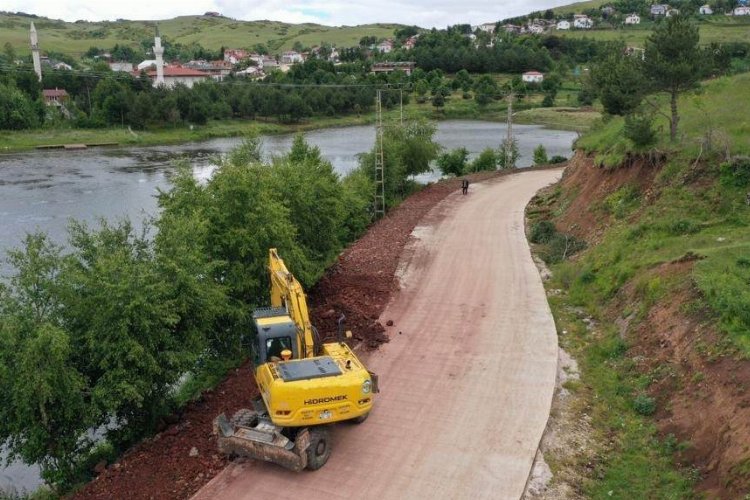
(180, 460)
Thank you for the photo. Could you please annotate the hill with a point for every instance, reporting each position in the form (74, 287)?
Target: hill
(211, 32)
(655, 308)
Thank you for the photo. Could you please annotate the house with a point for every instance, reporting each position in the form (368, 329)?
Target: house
(233, 56)
(146, 64)
(673, 12)
(123, 66)
(176, 75)
(581, 21)
(410, 42)
(536, 29)
(251, 72)
(385, 46)
(62, 65)
(486, 27)
(532, 77)
(217, 69)
(268, 63)
(705, 10)
(291, 57)
(659, 9)
(741, 11)
(389, 67)
(633, 19)
(563, 25)
(512, 28)
(54, 97)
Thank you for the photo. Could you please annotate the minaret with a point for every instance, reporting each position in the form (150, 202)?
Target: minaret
(159, 54)
(35, 53)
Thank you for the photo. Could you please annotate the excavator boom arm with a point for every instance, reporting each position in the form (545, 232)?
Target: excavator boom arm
(287, 292)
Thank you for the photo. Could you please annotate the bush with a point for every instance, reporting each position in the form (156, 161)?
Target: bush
(486, 161)
(453, 162)
(644, 405)
(736, 172)
(548, 101)
(640, 130)
(562, 246)
(540, 155)
(508, 154)
(557, 159)
(542, 232)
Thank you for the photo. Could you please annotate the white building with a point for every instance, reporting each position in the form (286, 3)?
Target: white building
(486, 27)
(706, 10)
(741, 11)
(385, 46)
(563, 25)
(582, 22)
(124, 66)
(148, 63)
(532, 77)
(174, 75)
(536, 29)
(291, 57)
(673, 12)
(633, 19)
(659, 9)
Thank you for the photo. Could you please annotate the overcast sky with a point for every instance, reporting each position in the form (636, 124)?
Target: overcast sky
(425, 13)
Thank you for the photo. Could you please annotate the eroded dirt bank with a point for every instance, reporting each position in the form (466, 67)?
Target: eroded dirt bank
(698, 381)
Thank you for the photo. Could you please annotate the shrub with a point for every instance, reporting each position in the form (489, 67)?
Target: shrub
(453, 162)
(508, 154)
(644, 405)
(561, 246)
(557, 159)
(540, 155)
(640, 130)
(735, 172)
(548, 101)
(542, 232)
(486, 161)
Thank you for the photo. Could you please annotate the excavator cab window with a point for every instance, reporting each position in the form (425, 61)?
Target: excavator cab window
(275, 345)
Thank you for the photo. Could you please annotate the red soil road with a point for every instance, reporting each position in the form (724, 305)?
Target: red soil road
(467, 378)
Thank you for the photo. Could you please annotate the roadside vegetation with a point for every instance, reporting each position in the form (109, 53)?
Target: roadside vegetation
(120, 329)
(666, 222)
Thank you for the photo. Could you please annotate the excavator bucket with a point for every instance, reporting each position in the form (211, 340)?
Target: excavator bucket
(249, 435)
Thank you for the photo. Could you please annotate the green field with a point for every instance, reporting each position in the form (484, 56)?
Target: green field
(211, 32)
(719, 30)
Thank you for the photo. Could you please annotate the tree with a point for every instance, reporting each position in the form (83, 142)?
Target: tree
(453, 162)
(540, 155)
(619, 81)
(672, 62)
(485, 89)
(487, 160)
(508, 154)
(17, 112)
(438, 101)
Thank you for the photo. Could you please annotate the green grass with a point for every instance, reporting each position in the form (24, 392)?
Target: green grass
(76, 38)
(559, 118)
(631, 460)
(711, 30)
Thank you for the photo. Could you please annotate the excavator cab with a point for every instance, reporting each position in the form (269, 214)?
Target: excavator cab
(275, 332)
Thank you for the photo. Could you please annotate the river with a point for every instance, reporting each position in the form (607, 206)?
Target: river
(41, 190)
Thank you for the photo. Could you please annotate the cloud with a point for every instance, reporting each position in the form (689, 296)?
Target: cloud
(425, 13)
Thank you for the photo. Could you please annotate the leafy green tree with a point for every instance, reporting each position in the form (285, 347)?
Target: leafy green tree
(453, 162)
(438, 101)
(17, 112)
(639, 128)
(463, 81)
(486, 161)
(485, 89)
(540, 155)
(508, 154)
(672, 62)
(620, 82)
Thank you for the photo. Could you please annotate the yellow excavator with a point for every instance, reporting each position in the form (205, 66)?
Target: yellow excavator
(304, 384)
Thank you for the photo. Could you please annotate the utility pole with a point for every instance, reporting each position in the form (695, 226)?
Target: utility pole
(379, 163)
(509, 161)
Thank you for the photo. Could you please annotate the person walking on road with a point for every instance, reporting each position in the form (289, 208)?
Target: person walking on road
(465, 186)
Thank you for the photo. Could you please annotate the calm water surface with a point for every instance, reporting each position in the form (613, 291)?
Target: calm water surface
(42, 190)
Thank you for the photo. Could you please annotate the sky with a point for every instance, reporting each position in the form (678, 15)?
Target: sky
(425, 13)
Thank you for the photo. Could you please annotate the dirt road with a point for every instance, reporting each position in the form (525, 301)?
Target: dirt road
(467, 379)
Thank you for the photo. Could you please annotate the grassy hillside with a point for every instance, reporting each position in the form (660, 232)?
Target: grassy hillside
(211, 32)
(656, 308)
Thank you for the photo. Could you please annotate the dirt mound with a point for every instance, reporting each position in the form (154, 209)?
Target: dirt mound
(359, 285)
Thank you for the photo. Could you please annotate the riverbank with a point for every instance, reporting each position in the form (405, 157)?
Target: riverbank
(455, 108)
